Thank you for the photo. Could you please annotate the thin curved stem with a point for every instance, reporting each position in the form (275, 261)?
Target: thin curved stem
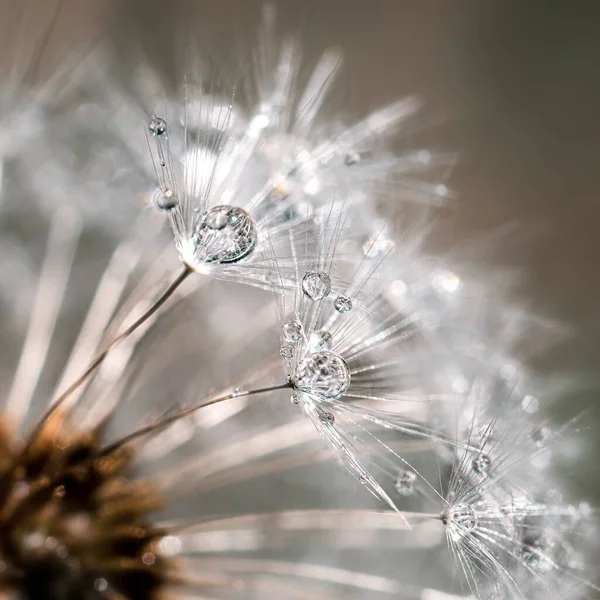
(185, 412)
(96, 362)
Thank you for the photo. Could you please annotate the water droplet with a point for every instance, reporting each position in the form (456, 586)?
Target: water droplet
(352, 158)
(236, 391)
(292, 331)
(148, 558)
(158, 126)
(287, 351)
(482, 464)
(324, 374)
(165, 199)
(327, 418)
(320, 340)
(343, 304)
(461, 519)
(225, 234)
(405, 483)
(316, 285)
(295, 399)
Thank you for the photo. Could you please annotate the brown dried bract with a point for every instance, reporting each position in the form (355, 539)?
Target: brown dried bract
(73, 526)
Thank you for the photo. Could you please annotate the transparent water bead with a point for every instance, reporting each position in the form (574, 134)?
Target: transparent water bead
(461, 520)
(327, 418)
(323, 374)
(482, 464)
(287, 351)
(292, 331)
(225, 234)
(405, 483)
(316, 285)
(158, 126)
(343, 304)
(165, 199)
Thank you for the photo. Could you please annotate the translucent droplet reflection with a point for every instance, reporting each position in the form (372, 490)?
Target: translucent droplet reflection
(158, 126)
(327, 418)
(292, 331)
(482, 464)
(461, 519)
(405, 483)
(343, 304)
(316, 285)
(165, 199)
(225, 234)
(324, 374)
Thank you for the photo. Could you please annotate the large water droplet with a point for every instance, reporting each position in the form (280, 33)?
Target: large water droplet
(158, 126)
(343, 304)
(316, 285)
(165, 199)
(292, 331)
(225, 234)
(324, 374)
(405, 483)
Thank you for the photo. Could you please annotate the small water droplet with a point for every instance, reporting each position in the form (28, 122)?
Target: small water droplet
(405, 483)
(292, 331)
(481, 464)
(327, 418)
(352, 158)
(287, 351)
(324, 374)
(165, 199)
(343, 304)
(316, 285)
(461, 520)
(236, 391)
(295, 399)
(158, 126)
(100, 584)
(148, 558)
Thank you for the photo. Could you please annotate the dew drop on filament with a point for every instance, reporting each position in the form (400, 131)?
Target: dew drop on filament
(292, 331)
(343, 304)
(316, 285)
(461, 520)
(405, 483)
(327, 418)
(482, 464)
(165, 199)
(158, 126)
(323, 374)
